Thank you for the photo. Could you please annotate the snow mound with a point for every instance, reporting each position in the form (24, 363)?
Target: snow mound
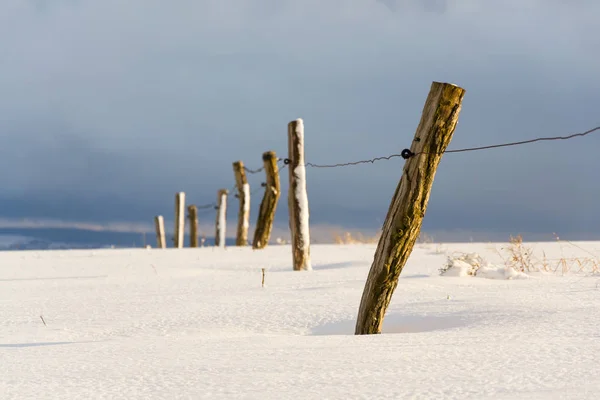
(472, 264)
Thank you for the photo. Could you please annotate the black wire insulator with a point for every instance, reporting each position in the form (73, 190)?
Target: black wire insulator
(406, 154)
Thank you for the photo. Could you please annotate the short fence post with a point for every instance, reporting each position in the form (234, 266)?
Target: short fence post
(297, 197)
(268, 206)
(243, 195)
(193, 217)
(159, 224)
(179, 220)
(221, 218)
(409, 203)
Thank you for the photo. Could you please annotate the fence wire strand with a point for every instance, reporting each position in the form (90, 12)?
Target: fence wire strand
(406, 154)
(467, 149)
(540, 139)
(254, 171)
(371, 161)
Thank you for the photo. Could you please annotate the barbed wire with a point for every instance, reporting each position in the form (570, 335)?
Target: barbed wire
(405, 154)
(231, 192)
(371, 161)
(254, 171)
(540, 139)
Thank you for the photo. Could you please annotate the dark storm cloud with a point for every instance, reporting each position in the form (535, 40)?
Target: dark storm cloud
(108, 108)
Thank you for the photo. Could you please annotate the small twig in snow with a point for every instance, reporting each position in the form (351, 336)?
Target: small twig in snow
(43, 320)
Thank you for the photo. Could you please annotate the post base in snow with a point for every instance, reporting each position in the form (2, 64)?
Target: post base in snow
(298, 198)
(221, 224)
(409, 204)
(268, 206)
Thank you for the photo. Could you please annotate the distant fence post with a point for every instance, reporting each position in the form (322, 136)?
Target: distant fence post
(409, 203)
(179, 220)
(159, 224)
(243, 195)
(268, 206)
(221, 218)
(297, 197)
(193, 217)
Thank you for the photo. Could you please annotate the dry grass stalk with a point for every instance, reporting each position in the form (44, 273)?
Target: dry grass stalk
(348, 238)
(522, 259)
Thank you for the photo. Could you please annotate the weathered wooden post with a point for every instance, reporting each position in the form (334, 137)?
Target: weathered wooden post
(193, 217)
(405, 215)
(221, 218)
(268, 206)
(297, 197)
(243, 195)
(159, 224)
(179, 220)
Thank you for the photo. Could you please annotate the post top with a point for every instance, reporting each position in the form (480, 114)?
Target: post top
(447, 84)
(268, 155)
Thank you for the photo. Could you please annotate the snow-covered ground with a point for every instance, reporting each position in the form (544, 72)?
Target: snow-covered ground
(196, 324)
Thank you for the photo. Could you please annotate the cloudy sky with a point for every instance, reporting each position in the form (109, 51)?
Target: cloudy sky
(107, 108)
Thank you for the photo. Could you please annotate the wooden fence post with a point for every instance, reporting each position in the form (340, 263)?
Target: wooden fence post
(193, 217)
(268, 206)
(407, 209)
(179, 220)
(159, 224)
(221, 218)
(297, 197)
(243, 196)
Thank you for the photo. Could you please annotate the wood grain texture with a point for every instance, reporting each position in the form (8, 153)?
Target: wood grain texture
(221, 224)
(297, 197)
(409, 204)
(241, 238)
(193, 218)
(268, 206)
(179, 220)
(159, 225)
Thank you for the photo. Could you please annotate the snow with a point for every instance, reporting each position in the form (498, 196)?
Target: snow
(301, 195)
(196, 324)
(474, 265)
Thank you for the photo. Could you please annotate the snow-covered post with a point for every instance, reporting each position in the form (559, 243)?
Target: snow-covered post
(409, 203)
(193, 217)
(297, 197)
(243, 196)
(179, 220)
(266, 215)
(159, 224)
(221, 217)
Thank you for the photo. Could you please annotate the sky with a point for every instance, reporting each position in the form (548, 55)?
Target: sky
(108, 108)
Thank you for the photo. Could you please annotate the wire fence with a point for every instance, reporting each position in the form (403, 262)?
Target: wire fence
(405, 154)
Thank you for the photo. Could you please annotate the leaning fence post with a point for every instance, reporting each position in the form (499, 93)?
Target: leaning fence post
(179, 219)
(407, 209)
(159, 224)
(243, 196)
(268, 206)
(221, 218)
(193, 217)
(297, 197)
